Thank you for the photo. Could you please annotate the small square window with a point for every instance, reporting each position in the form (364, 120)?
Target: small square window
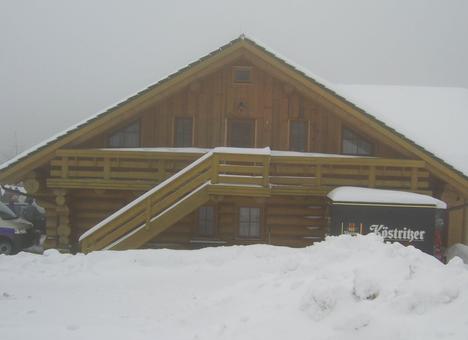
(249, 222)
(242, 74)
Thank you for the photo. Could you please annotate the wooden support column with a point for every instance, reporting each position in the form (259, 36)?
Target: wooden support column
(47, 202)
(63, 220)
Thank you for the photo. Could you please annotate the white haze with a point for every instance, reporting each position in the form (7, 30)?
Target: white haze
(61, 61)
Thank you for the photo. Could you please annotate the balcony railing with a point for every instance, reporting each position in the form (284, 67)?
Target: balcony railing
(278, 172)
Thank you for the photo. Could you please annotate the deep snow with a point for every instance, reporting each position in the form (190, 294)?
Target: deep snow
(343, 288)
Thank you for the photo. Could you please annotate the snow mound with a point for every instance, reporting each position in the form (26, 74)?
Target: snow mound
(343, 288)
(460, 250)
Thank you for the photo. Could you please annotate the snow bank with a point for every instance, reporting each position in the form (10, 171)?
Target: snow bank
(342, 288)
(460, 250)
(356, 194)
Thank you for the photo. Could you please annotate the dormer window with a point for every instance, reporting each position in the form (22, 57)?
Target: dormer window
(353, 144)
(128, 137)
(242, 74)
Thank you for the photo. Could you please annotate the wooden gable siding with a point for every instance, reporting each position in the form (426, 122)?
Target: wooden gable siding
(213, 100)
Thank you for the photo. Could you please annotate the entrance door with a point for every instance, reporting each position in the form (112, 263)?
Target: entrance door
(241, 133)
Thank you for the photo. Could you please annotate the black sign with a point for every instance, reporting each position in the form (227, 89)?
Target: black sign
(407, 225)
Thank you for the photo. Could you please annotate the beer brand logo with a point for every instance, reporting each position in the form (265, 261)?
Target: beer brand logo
(399, 235)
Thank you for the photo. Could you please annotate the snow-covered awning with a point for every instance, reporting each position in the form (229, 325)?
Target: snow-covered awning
(379, 196)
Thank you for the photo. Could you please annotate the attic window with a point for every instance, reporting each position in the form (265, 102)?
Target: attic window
(353, 144)
(242, 74)
(127, 137)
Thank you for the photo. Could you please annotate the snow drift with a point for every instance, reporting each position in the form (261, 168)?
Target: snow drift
(342, 288)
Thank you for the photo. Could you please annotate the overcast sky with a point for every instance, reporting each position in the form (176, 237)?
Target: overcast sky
(62, 61)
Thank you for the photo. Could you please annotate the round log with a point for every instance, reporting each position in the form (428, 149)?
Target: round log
(60, 200)
(64, 241)
(31, 185)
(64, 230)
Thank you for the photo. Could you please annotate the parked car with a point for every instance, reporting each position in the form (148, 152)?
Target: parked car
(16, 233)
(31, 212)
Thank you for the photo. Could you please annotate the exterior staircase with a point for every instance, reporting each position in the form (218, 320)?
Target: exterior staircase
(179, 195)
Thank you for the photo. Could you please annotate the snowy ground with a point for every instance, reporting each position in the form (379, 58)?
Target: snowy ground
(343, 288)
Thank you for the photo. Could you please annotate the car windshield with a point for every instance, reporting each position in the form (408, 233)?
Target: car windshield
(6, 213)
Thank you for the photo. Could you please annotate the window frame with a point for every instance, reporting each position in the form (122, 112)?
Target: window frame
(239, 68)
(122, 130)
(229, 131)
(176, 120)
(214, 234)
(261, 229)
(307, 134)
(359, 138)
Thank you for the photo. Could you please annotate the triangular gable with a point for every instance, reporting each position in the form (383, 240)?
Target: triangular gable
(40, 154)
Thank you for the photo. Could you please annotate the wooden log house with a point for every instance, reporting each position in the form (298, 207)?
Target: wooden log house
(239, 147)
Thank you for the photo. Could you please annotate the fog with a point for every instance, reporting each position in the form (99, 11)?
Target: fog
(62, 61)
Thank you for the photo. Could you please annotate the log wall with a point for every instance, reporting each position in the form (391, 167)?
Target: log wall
(286, 221)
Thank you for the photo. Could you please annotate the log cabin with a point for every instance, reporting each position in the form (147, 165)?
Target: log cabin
(239, 147)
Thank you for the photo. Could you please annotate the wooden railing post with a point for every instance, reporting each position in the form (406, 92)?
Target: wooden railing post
(318, 174)
(107, 168)
(64, 166)
(372, 176)
(215, 169)
(266, 171)
(414, 178)
(148, 213)
(161, 170)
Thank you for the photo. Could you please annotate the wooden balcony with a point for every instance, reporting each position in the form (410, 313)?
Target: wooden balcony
(244, 172)
(234, 172)
(116, 169)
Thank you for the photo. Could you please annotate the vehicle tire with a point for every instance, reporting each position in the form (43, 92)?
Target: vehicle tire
(6, 247)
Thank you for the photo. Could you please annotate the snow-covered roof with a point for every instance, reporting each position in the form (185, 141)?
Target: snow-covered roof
(416, 113)
(368, 195)
(435, 118)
